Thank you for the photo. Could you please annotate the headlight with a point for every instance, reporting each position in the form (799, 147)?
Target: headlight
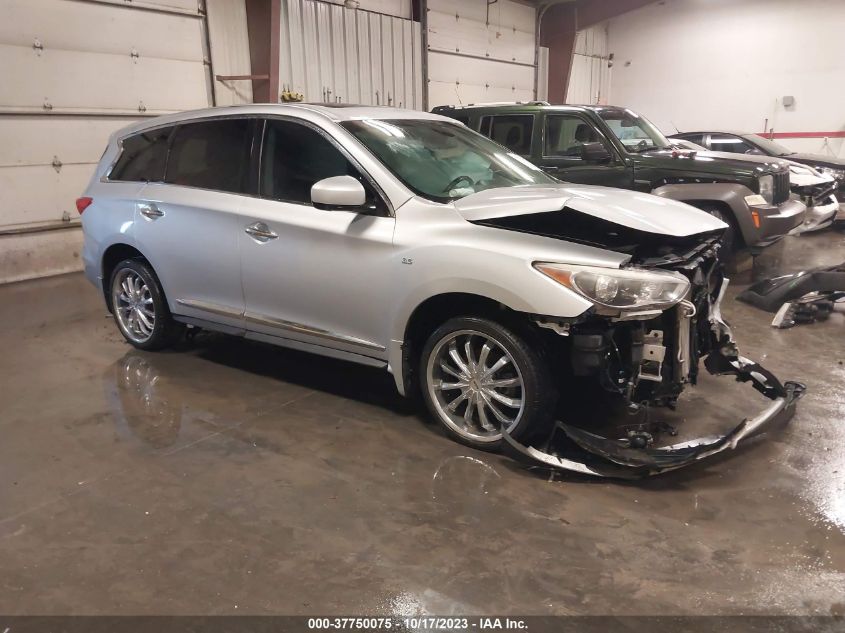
(767, 188)
(838, 174)
(620, 289)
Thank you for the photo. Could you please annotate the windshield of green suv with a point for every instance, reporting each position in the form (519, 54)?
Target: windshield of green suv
(443, 161)
(636, 133)
(770, 147)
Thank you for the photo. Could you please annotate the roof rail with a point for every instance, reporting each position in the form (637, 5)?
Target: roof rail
(492, 103)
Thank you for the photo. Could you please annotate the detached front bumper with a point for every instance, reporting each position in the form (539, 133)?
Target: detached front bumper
(607, 457)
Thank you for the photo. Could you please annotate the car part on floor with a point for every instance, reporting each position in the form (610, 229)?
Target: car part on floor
(771, 294)
(816, 306)
(631, 457)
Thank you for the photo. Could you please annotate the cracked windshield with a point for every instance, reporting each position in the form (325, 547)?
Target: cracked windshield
(443, 161)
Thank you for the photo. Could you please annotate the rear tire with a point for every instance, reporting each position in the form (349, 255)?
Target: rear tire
(139, 306)
(477, 375)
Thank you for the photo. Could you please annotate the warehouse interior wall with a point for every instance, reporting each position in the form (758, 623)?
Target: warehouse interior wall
(716, 64)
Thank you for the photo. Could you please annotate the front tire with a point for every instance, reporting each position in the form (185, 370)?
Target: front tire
(730, 238)
(478, 376)
(139, 307)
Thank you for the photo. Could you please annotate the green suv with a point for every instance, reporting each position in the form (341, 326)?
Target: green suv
(616, 147)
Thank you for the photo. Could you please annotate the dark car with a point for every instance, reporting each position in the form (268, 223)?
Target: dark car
(757, 145)
(616, 147)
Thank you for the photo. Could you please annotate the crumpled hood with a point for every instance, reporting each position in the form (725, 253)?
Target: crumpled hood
(818, 160)
(640, 211)
(801, 175)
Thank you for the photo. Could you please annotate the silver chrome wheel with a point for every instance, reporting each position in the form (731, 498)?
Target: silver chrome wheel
(475, 385)
(133, 306)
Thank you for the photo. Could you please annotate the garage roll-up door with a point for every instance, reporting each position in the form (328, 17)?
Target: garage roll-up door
(75, 71)
(480, 52)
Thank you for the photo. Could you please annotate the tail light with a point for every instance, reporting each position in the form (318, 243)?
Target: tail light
(83, 203)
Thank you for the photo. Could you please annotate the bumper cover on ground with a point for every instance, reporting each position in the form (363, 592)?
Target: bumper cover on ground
(617, 458)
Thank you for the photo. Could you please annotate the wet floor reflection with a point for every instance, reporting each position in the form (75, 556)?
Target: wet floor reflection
(145, 403)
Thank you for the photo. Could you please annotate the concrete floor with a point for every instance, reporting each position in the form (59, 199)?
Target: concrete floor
(229, 477)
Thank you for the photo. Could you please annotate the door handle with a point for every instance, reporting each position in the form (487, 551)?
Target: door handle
(260, 232)
(549, 167)
(150, 211)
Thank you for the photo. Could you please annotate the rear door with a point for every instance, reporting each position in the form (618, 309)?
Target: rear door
(188, 225)
(563, 135)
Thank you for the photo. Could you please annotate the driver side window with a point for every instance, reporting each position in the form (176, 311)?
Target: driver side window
(565, 134)
(294, 157)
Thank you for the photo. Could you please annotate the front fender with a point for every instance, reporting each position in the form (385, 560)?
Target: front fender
(533, 296)
(731, 194)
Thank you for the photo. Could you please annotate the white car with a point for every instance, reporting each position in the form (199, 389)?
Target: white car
(816, 190)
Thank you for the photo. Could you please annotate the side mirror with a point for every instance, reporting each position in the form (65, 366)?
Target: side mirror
(595, 153)
(343, 193)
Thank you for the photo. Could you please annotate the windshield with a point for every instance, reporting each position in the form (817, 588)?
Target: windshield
(636, 133)
(769, 147)
(443, 161)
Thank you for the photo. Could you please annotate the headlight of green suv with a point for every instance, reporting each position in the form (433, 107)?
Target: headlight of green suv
(767, 188)
(620, 289)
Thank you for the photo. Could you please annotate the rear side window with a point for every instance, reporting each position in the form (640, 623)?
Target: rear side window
(698, 139)
(211, 155)
(143, 157)
(729, 143)
(513, 131)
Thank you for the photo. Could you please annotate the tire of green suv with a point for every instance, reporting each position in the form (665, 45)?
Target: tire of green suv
(139, 306)
(730, 242)
(477, 376)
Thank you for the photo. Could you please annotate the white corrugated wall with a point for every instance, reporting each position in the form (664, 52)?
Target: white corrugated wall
(330, 53)
(589, 78)
(480, 53)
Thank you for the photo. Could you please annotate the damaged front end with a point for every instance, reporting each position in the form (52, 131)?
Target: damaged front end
(647, 359)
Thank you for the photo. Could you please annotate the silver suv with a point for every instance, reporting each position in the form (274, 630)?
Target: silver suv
(406, 241)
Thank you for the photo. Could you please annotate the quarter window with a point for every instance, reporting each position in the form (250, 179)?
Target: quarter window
(143, 157)
(211, 155)
(513, 131)
(566, 134)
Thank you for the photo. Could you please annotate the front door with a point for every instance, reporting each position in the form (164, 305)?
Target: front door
(188, 225)
(314, 275)
(562, 139)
